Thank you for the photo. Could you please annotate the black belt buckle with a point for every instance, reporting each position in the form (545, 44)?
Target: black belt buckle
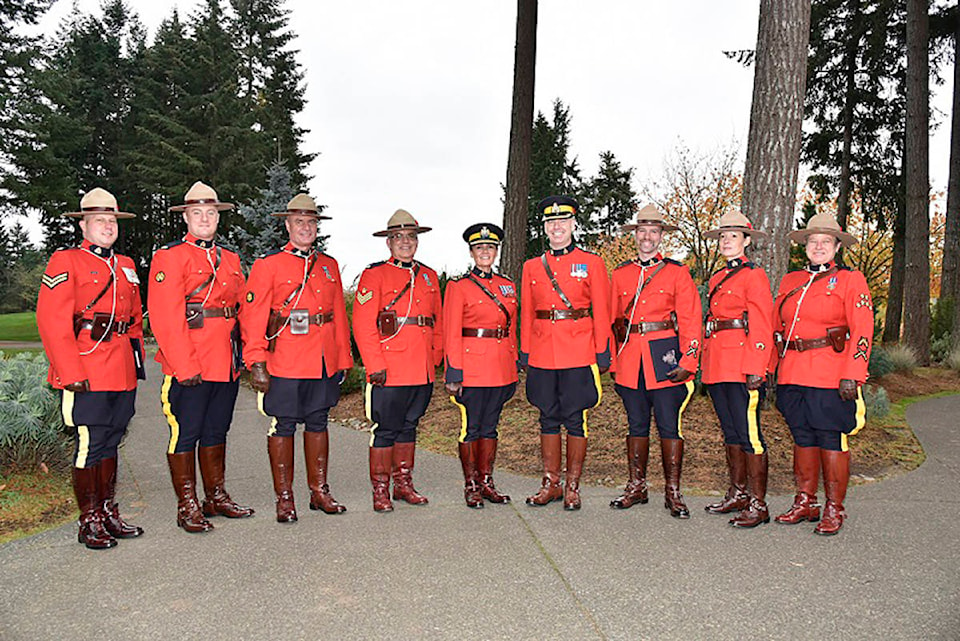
(299, 322)
(501, 333)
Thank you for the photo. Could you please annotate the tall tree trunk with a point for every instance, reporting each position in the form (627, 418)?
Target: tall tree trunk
(521, 136)
(773, 145)
(950, 276)
(894, 315)
(849, 103)
(916, 300)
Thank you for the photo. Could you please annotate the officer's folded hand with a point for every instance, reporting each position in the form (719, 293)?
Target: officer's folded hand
(754, 382)
(193, 381)
(603, 370)
(847, 389)
(79, 386)
(678, 375)
(454, 388)
(259, 377)
(379, 378)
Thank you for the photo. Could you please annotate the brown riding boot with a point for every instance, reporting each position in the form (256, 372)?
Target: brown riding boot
(736, 497)
(468, 461)
(486, 455)
(576, 453)
(806, 472)
(280, 450)
(550, 489)
(671, 449)
(403, 462)
(381, 459)
(213, 463)
(183, 473)
(756, 511)
(836, 476)
(638, 450)
(109, 510)
(90, 527)
(316, 446)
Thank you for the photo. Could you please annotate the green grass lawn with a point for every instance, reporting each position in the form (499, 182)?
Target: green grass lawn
(19, 327)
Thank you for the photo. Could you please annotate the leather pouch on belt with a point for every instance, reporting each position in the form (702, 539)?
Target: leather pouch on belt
(387, 322)
(100, 327)
(620, 330)
(194, 315)
(299, 321)
(273, 326)
(838, 338)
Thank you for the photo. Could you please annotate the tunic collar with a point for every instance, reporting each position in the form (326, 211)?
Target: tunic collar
(564, 250)
(203, 244)
(399, 263)
(736, 262)
(816, 269)
(290, 249)
(649, 263)
(479, 273)
(97, 250)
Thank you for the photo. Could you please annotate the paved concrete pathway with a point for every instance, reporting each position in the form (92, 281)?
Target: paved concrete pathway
(505, 572)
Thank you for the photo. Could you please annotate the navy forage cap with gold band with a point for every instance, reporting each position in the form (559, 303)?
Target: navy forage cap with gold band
(649, 215)
(302, 205)
(734, 221)
(823, 223)
(201, 195)
(483, 234)
(98, 201)
(401, 220)
(558, 208)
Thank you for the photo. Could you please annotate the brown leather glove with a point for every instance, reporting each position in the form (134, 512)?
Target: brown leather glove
(193, 381)
(678, 375)
(454, 388)
(259, 377)
(847, 389)
(754, 382)
(603, 370)
(80, 386)
(379, 378)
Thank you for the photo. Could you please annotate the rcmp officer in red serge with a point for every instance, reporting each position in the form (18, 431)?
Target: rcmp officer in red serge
(91, 323)
(657, 324)
(738, 340)
(480, 347)
(398, 326)
(195, 290)
(296, 341)
(823, 316)
(566, 344)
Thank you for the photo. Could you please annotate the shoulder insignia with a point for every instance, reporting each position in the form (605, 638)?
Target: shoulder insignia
(624, 263)
(673, 262)
(844, 268)
(587, 251)
(364, 296)
(172, 244)
(750, 265)
(226, 247)
(422, 266)
(506, 278)
(53, 281)
(272, 252)
(376, 264)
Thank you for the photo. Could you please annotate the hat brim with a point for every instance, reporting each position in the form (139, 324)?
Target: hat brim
(284, 214)
(800, 235)
(715, 233)
(386, 232)
(633, 226)
(219, 206)
(81, 214)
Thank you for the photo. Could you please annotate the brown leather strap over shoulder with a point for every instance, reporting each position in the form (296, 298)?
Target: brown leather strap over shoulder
(207, 280)
(492, 296)
(820, 276)
(416, 271)
(553, 281)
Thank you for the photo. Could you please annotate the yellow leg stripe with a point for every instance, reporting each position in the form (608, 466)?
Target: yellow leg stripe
(463, 419)
(690, 387)
(84, 449)
(844, 446)
(596, 381)
(66, 408)
(273, 420)
(368, 409)
(861, 413)
(753, 428)
(586, 429)
(168, 412)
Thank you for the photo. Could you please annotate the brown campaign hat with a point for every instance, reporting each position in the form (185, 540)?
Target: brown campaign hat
(302, 205)
(823, 223)
(734, 221)
(201, 194)
(402, 221)
(649, 215)
(98, 201)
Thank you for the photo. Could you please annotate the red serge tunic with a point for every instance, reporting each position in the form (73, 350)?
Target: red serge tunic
(475, 361)
(670, 290)
(841, 299)
(565, 344)
(413, 352)
(730, 354)
(178, 269)
(273, 279)
(72, 279)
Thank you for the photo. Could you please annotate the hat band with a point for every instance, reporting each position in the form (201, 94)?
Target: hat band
(202, 201)
(302, 211)
(480, 238)
(94, 210)
(403, 226)
(559, 209)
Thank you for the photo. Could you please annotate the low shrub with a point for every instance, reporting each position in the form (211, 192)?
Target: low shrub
(953, 360)
(880, 363)
(31, 428)
(902, 358)
(354, 380)
(876, 401)
(940, 348)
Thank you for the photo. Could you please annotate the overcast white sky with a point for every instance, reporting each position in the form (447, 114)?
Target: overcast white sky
(408, 103)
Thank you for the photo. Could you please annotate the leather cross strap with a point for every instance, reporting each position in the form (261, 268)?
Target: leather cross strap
(416, 271)
(492, 296)
(821, 275)
(629, 308)
(733, 272)
(207, 280)
(100, 295)
(553, 281)
(311, 263)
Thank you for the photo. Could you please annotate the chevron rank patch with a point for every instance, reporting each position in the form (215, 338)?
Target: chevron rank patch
(364, 296)
(53, 281)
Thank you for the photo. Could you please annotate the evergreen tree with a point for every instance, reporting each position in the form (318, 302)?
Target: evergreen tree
(257, 232)
(609, 198)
